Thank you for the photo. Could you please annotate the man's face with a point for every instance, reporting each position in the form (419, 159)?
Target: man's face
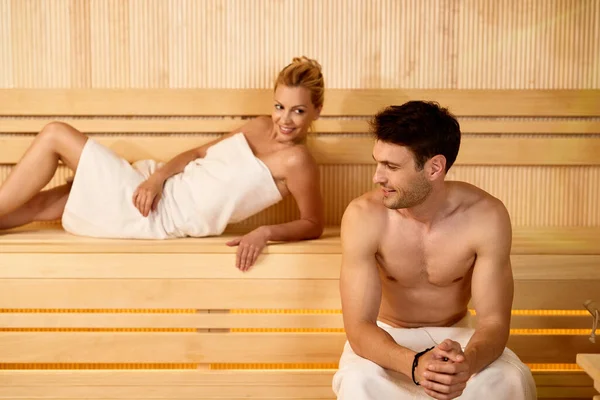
(402, 185)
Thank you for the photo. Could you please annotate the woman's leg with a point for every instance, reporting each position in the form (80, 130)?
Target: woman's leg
(56, 141)
(47, 205)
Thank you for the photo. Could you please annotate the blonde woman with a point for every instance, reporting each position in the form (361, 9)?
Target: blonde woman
(197, 193)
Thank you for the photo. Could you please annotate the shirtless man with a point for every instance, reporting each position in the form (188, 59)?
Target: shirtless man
(415, 252)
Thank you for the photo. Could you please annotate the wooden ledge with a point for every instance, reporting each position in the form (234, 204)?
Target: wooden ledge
(285, 384)
(526, 240)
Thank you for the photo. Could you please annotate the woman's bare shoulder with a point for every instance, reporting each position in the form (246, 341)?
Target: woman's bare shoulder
(258, 126)
(298, 157)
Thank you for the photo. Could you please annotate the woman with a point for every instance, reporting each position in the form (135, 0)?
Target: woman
(197, 193)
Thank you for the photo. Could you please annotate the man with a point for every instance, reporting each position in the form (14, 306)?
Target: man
(415, 252)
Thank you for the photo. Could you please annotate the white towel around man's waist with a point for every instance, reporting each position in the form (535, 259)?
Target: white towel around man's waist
(228, 185)
(357, 378)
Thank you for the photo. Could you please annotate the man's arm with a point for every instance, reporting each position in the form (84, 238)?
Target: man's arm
(360, 290)
(492, 289)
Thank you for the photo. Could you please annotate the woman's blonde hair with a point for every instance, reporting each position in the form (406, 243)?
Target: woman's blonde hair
(304, 72)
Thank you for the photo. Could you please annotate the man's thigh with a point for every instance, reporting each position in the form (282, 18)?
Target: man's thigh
(506, 378)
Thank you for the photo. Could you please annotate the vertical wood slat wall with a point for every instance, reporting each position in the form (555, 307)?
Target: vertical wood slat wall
(538, 44)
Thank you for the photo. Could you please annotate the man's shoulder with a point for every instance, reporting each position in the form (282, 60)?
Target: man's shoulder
(477, 206)
(368, 205)
(477, 202)
(362, 223)
(366, 211)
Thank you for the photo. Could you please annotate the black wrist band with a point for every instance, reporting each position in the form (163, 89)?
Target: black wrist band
(416, 362)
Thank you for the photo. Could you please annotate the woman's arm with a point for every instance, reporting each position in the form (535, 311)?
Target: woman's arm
(178, 163)
(148, 193)
(303, 183)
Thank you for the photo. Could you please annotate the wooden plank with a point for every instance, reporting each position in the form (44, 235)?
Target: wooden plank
(169, 293)
(591, 364)
(225, 320)
(324, 125)
(241, 294)
(218, 396)
(551, 385)
(268, 266)
(549, 348)
(355, 102)
(155, 125)
(558, 267)
(180, 266)
(50, 378)
(56, 240)
(531, 127)
(470, 102)
(135, 102)
(565, 393)
(32, 239)
(288, 384)
(526, 240)
(564, 240)
(529, 151)
(561, 378)
(551, 322)
(153, 320)
(283, 377)
(553, 295)
(168, 347)
(169, 392)
(168, 384)
(329, 149)
(160, 347)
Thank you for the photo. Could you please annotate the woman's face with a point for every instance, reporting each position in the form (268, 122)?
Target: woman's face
(293, 112)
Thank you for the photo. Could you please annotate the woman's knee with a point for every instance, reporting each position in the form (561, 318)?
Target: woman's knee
(63, 140)
(54, 133)
(54, 128)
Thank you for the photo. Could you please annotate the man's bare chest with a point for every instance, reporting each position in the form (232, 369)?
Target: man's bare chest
(415, 260)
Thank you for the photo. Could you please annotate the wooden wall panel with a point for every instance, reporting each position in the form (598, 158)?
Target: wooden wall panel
(541, 44)
(6, 43)
(538, 44)
(242, 44)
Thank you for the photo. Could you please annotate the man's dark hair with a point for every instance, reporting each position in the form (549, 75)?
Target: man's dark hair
(424, 127)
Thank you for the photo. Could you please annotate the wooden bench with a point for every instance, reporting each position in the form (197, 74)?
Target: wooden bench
(115, 319)
(591, 365)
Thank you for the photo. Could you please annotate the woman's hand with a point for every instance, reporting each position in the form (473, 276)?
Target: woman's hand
(147, 195)
(249, 247)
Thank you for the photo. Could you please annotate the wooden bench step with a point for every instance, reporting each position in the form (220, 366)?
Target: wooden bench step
(526, 240)
(220, 384)
(168, 305)
(189, 346)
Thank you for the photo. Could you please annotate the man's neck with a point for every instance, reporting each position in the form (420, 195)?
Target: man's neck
(431, 210)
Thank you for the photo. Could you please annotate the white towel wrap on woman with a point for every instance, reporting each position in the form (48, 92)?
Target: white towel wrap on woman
(226, 186)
